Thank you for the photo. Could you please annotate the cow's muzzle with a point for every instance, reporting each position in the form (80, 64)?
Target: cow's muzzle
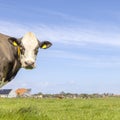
(29, 64)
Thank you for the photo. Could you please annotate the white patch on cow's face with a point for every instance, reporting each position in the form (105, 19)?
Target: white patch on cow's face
(29, 50)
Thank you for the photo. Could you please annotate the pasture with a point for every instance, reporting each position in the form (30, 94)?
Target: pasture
(59, 109)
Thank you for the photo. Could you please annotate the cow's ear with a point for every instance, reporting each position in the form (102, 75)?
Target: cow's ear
(45, 44)
(14, 41)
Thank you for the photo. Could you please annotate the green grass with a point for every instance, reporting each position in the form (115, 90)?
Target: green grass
(59, 109)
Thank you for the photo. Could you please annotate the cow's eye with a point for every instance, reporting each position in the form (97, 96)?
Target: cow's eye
(22, 50)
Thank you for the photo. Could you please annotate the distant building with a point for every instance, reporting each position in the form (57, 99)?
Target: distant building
(23, 92)
(9, 93)
(5, 92)
(12, 94)
(37, 96)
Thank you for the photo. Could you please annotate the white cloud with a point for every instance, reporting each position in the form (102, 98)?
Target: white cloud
(68, 55)
(63, 34)
(78, 36)
(12, 29)
(84, 57)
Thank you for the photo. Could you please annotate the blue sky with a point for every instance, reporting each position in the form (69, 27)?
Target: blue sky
(85, 56)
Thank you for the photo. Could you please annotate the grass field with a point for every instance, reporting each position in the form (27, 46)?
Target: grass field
(59, 109)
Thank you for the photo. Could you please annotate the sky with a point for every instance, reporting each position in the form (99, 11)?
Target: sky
(85, 56)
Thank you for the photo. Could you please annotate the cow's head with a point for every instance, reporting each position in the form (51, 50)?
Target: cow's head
(29, 46)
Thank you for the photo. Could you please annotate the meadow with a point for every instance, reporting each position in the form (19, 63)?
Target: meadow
(59, 109)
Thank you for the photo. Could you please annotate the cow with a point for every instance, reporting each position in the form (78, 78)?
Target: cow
(16, 53)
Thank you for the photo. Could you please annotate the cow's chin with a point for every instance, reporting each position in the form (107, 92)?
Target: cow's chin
(28, 67)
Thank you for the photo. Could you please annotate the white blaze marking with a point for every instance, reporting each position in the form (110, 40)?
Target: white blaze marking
(29, 42)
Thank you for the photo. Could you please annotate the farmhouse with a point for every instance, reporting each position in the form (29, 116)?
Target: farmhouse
(23, 92)
(5, 92)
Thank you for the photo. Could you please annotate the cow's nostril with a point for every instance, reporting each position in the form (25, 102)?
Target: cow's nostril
(29, 63)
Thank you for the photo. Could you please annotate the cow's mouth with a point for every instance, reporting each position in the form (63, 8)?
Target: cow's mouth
(29, 67)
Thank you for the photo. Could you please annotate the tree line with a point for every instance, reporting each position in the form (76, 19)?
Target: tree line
(63, 94)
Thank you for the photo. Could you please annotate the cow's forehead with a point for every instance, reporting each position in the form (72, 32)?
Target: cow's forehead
(29, 40)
